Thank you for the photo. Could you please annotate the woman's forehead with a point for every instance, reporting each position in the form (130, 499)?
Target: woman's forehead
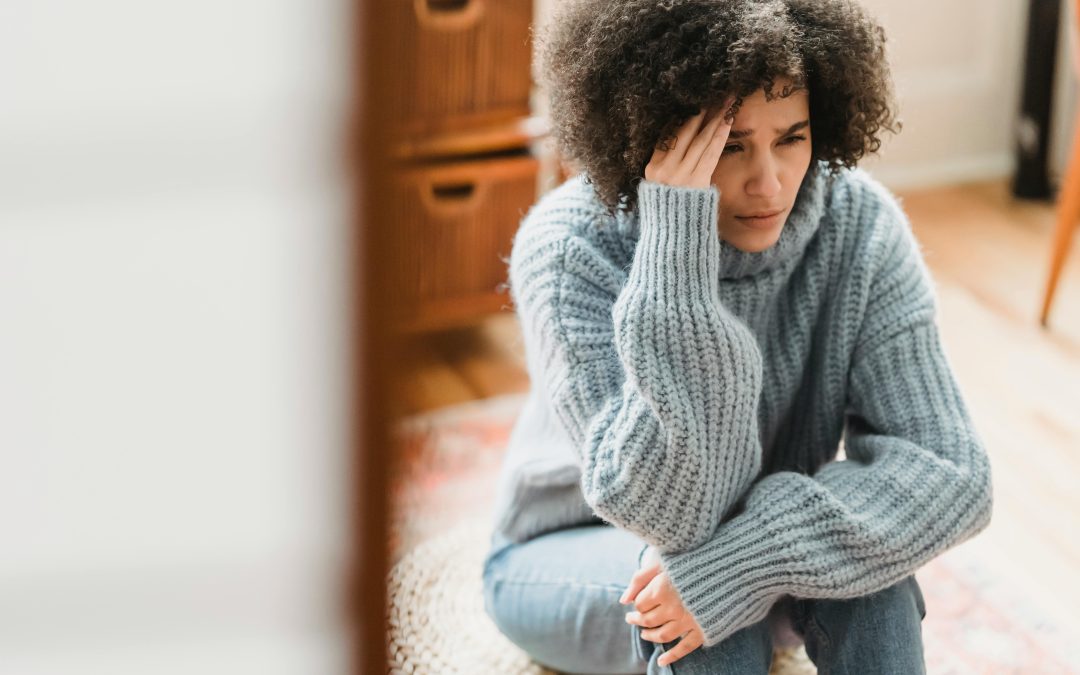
(757, 106)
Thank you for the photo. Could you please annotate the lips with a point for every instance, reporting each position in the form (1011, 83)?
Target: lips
(762, 220)
(761, 214)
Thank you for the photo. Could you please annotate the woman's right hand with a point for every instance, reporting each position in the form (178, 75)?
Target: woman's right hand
(698, 146)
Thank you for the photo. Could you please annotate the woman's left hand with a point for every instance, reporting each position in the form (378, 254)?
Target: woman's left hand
(660, 611)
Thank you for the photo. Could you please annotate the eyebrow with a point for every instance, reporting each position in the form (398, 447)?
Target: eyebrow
(743, 133)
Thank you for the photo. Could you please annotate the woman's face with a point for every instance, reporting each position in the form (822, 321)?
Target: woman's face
(762, 166)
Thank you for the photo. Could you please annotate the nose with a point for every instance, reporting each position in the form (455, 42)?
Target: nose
(764, 180)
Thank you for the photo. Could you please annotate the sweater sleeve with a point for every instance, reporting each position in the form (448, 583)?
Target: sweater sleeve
(654, 380)
(916, 479)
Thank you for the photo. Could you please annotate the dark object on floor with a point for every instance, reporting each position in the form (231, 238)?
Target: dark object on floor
(1033, 128)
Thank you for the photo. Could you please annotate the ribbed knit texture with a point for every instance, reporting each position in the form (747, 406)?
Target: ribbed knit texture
(706, 390)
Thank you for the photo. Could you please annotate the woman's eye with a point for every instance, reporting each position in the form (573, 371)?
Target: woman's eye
(790, 140)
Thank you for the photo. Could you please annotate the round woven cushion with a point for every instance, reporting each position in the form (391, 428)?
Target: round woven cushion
(437, 622)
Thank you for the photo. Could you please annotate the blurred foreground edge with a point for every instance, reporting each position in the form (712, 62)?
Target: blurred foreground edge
(373, 350)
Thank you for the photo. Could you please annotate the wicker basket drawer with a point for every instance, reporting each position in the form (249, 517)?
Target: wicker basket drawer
(454, 224)
(460, 63)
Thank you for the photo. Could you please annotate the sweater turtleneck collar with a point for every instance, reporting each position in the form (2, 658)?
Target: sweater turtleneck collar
(801, 224)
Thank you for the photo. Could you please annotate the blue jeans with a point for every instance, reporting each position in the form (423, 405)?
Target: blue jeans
(557, 598)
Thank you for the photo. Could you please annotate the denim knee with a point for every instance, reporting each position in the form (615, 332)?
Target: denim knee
(747, 651)
(489, 581)
(902, 598)
(566, 626)
(897, 599)
(877, 632)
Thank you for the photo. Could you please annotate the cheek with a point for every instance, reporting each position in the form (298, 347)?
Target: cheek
(804, 151)
(729, 201)
(800, 164)
(726, 181)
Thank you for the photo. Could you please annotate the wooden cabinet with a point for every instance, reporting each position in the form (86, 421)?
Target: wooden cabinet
(462, 63)
(465, 170)
(455, 222)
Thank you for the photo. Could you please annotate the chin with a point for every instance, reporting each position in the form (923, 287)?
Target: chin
(755, 244)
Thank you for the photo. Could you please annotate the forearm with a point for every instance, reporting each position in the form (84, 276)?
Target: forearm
(916, 482)
(692, 367)
(664, 407)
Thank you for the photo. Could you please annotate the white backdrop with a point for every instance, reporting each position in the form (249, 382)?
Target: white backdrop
(173, 243)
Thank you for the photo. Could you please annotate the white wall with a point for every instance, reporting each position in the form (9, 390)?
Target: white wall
(173, 241)
(957, 67)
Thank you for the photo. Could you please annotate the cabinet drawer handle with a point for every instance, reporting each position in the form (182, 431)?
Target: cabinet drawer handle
(448, 14)
(448, 198)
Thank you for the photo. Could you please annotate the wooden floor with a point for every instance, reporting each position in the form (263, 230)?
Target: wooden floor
(989, 255)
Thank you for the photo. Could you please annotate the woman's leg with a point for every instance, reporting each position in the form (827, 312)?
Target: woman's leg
(748, 650)
(876, 633)
(557, 597)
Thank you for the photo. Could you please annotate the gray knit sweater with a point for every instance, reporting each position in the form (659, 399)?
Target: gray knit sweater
(704, 393)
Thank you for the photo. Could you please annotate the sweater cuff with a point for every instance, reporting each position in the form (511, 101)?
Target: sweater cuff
(679, 240)
(732, 580)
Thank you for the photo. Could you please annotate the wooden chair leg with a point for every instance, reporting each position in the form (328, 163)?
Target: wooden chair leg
(1068, 213)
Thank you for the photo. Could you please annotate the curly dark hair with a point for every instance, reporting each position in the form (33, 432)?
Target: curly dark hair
(623, 75)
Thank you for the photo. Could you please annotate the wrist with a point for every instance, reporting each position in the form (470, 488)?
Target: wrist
(731, 580)
(679, 238)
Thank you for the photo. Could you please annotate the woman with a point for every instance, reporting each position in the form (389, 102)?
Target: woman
(709, 308)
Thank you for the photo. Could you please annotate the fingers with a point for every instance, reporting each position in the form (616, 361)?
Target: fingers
(687, 644)
(654, 618)
(698, 145)
(703, 140)
(645, 599)
(665, 632)
(710, 155)
(652, 595)
(638, 582)
(685, 135)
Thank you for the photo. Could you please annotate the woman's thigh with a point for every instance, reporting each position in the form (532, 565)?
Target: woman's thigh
(557, 597)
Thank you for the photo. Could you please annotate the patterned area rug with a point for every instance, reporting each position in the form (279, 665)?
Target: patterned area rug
(975, 623)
